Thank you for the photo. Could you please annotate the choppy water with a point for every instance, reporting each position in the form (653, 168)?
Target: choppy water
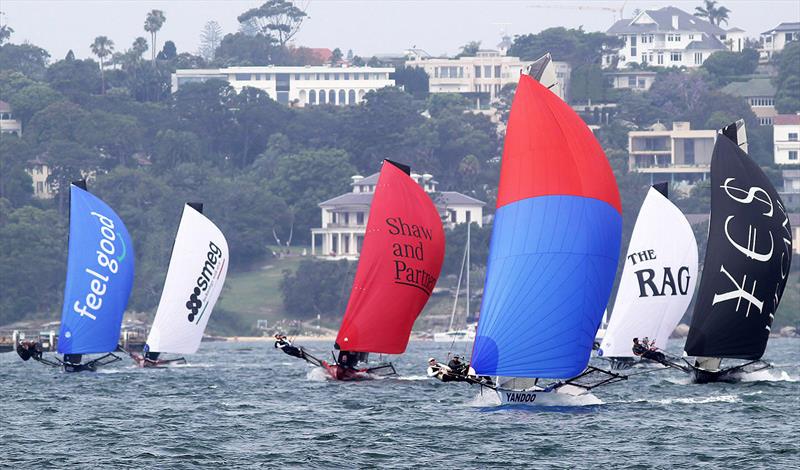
(249, 405)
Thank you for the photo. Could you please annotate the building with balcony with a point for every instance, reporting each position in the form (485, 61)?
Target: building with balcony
(9, 125)
(786, 145)
(775, 39)
(345, 217)
(791, 191)
(631, 79)
(760, 95)
(40, 172)
(483, 75)
(677, 154)
(298, 86)
(670, 37)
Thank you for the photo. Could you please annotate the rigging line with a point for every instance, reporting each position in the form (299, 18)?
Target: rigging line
(645, 372)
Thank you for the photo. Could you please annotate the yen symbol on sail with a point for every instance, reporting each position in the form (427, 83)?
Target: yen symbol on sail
(739, 294)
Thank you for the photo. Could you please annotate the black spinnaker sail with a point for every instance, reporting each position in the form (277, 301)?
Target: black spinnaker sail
(747, 259)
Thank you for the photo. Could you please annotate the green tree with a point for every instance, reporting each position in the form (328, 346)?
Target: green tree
(469, 49)
(173, 147)
(31, 99)
(317, 288)
(35, 243)
(75, 78)
(24, 58)
(152, 24)
(307, 178)
(102, 47)
(723, 66)
(336, 56)
(168, 52)
(138, 48)
(242, 49)
(210, 38)
(569, 45)
(714, 14)
(15, 183)
(68, 162)
(787, 98)
(414, 80)
(5, 33)
(278, 17)
(256, 116)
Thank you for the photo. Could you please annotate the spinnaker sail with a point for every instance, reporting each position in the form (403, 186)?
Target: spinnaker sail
(399, 265)
(100, 271)
(747, 261)
(555, 243)
(658, 279)
(195, 278)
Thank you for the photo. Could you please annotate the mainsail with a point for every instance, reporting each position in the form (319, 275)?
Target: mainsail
(555, 243)
(99, 276)
(658, 280)
(747, 259)
(399, 265)
(194, 281)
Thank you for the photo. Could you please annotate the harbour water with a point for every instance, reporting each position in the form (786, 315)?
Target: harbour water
(248, 405)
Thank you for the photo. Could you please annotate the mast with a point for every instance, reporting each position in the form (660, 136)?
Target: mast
(458, 285)
(469, 225)
(747, 260)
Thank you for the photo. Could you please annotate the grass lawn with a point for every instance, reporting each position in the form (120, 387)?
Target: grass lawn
(254, 295)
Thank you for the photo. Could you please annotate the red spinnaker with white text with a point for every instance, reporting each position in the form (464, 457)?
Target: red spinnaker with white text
(400, 263)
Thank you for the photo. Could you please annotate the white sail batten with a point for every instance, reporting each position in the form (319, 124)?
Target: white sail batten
(658, 279)
(195, 277)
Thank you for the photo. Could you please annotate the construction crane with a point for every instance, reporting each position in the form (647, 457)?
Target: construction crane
(616, 11)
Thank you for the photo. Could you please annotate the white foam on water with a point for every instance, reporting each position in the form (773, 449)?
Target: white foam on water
(317, 374)
(700, 400)
(484, 398)
(413, 377)
(768, 375)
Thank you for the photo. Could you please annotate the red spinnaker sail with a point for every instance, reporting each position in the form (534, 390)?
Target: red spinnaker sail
(398, 269)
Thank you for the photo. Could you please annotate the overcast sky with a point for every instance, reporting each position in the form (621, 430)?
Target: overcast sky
(366, 26)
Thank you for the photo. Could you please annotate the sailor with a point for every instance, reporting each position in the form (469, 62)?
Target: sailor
(348, 359)
(638, 348)
(440, 371)
(282, 343)
(457, 367)
(29, 349)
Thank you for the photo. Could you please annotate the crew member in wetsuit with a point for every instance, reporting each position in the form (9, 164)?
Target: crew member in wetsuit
(348, 359)
(638, 348)
(286, 346)
(29, 349)
(458, 367)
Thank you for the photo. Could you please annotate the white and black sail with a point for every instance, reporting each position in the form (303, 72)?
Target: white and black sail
(658, 279)
(747, 259)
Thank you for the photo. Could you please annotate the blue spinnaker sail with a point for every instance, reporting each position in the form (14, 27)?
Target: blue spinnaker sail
(99, 277)
(555, 244)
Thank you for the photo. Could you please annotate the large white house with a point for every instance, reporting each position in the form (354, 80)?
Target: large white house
(344, 218)
(775, 39)
(485, 73)
(670, 37)
(677, 154)
(786, 129)
(300, 86)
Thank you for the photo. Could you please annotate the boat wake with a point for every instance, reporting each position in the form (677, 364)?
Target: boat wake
(414, 378)
(562, 400)
(769, 375)
(317, 375)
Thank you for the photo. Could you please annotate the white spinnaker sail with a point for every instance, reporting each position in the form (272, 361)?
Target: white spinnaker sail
(658, 279)
(195, 278)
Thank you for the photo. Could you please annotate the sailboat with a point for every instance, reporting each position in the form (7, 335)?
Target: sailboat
(398, 268)
(553, 252)
(468, 334)
(100, 271)
(657, 282)
(195, 278)
(747, 263)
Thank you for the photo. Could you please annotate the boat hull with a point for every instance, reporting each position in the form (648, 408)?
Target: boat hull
(337, 372)
(545, 398)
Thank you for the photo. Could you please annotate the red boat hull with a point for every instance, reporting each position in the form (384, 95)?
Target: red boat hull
(338, 372)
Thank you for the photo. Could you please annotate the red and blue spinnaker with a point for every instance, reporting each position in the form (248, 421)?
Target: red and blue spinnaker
(555, 243)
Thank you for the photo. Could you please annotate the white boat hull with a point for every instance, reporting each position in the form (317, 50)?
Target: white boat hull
(454, 336)
(545, 398)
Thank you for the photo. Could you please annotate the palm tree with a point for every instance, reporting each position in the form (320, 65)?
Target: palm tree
(715, 15)
(152, 24)
(102, 47)
(138, 48)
